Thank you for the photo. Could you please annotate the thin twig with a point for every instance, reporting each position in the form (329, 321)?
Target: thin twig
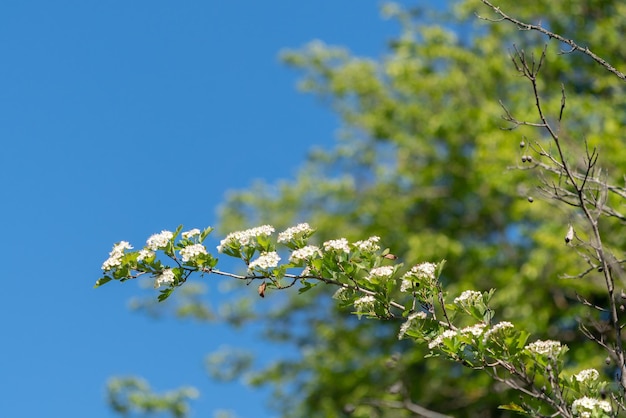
(573, 45)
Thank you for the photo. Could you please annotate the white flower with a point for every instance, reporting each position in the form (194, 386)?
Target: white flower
(545, 348)
(191, 251)
(475, 330)
(406, 285)
(304, 253)
(365, 303)
(143, 254)
(419, 272)
(123, 245)
(160, 240)
(409, 321)
(116, 254)
(585, 406)
(424, 270)
(297, 231)
(497, 327)
(384, 272)
(166, 277)
(191, 233)
(265, 261)
(587, 375)
(111, 262)
(338, 245)
(501, 325)
(439, 339)
(604, 405)
(243, 238)
(368, 245)
(469, 297)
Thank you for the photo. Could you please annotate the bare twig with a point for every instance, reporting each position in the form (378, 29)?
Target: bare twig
(578, 197)
(408, 405)
(573, 45)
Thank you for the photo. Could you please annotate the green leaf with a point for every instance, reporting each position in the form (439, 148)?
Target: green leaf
(205, 233)
(512, 407)
(165, 294)
(102, 281)
(279, 272)
(176, 232)
(306, 286)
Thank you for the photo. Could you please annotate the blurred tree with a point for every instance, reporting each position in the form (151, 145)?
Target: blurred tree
(422, 161)
(133, 397)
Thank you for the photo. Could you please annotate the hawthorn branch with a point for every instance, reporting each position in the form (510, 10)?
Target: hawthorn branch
(297, 278)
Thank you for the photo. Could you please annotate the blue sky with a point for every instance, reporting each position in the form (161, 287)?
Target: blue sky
(119, 119)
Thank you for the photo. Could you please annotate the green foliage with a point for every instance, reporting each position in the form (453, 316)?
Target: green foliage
(131, 397)
(423, 161)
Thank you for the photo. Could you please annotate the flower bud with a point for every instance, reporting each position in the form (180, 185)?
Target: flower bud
(570, 234)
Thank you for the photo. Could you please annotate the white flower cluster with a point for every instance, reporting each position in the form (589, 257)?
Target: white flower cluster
(424, 271)
(191, 251)
(338, 245)
(143, 254)
(297, 231)
(166, 277)
(365, 303)
(383, 273)
(419, 272)
(191, 233)
(243, 238)
(476, 330)
(115, 256)
(439, 339)
(545, 348)
(304, 253)
(160, 240)
(265, 261)
(497, 327)
(409, 321)
(468, 298)
(587, 375)
(370, 244)
(585, 406)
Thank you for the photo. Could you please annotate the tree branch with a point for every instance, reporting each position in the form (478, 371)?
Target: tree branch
(573, 45)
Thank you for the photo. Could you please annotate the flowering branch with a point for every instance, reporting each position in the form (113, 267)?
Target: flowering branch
(369, 280)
